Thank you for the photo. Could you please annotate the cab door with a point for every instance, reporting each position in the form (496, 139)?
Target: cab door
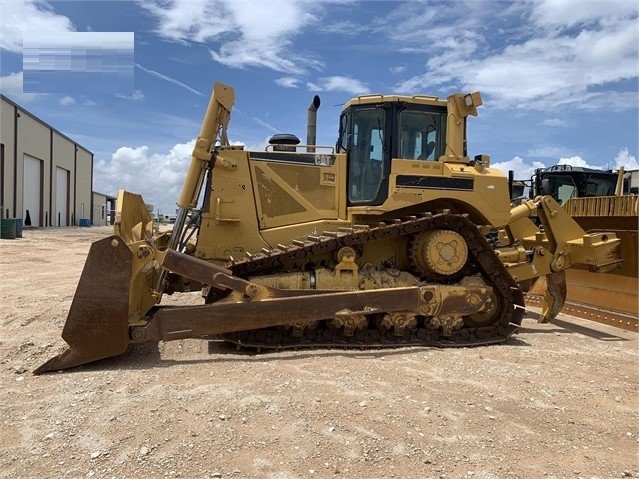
(368, 156)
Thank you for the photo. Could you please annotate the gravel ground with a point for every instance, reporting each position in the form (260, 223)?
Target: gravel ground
(557, 400)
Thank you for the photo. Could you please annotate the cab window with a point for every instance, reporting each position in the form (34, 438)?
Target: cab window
(562, 188)
(599, 187)
(366, 155)
(342, 142)
(418, 136)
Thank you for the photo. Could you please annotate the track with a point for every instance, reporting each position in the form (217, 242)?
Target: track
(492, 329)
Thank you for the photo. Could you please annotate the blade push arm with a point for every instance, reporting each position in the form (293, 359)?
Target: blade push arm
(259, 306)
(561, 244)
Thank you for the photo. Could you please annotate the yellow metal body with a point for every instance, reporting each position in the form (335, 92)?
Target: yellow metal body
(213, 127)
(397, 160)
(617, 214)
(562, 244)
(610, 298)
(256, 203)
(135, 226)
(260, 199)
(257, 200)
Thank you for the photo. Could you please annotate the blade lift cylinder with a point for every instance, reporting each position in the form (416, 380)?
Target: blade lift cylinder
(213, 130)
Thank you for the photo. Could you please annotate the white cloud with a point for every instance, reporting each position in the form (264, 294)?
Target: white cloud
(549, 152)
(521, 169)
(158, 177)
(397, 69)
(524, 170)
(554, 122)
(247, 34)
(345, 27)
(546, 72)
(339, 83)
(137, 95)
(89, 103)
(577, 161)
(288, 82)
(11, 85)
(625, 159)
(416, 29)
(564, 14)
(169, 79)
(66, 101)
(574, 60)
(18, 17)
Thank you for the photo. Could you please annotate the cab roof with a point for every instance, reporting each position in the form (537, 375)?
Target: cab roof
(375, 98)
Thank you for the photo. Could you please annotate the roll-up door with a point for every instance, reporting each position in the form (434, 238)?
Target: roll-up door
(62, 197)
(32, 192)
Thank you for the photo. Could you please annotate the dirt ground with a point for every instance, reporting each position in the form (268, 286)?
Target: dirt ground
(557, 400)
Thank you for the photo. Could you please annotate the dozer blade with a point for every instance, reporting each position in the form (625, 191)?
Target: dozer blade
(605, 298)
(97, 324)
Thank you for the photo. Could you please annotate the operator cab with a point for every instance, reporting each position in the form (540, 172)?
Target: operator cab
(563, 182)
(376, 129)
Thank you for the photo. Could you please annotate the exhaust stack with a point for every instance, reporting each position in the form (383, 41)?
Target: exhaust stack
(311, 124)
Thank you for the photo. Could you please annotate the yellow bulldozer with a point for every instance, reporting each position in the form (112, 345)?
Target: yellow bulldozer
(598, 200)
(385, 239)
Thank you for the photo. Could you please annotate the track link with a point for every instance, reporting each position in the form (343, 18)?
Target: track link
(303, 252)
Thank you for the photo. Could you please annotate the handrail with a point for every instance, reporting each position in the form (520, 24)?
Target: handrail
(293, 148)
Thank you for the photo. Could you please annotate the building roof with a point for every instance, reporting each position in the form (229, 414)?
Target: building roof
(108, 197)
(23, 110)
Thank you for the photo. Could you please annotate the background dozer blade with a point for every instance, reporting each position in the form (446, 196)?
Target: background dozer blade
(97, 324)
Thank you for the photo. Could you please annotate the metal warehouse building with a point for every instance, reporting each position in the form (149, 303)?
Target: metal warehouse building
(46, 178)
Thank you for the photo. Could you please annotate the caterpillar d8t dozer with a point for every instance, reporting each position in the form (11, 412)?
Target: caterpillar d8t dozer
(383, 240)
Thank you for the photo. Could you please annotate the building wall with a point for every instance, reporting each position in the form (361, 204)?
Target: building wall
(100, 210)
(57, 154)
(84, 184)
(7, 115)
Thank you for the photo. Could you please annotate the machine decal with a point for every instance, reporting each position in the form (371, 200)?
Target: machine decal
(434, 182)
(315, 159)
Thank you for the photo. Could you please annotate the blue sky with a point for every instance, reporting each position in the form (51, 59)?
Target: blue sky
(559, 78)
